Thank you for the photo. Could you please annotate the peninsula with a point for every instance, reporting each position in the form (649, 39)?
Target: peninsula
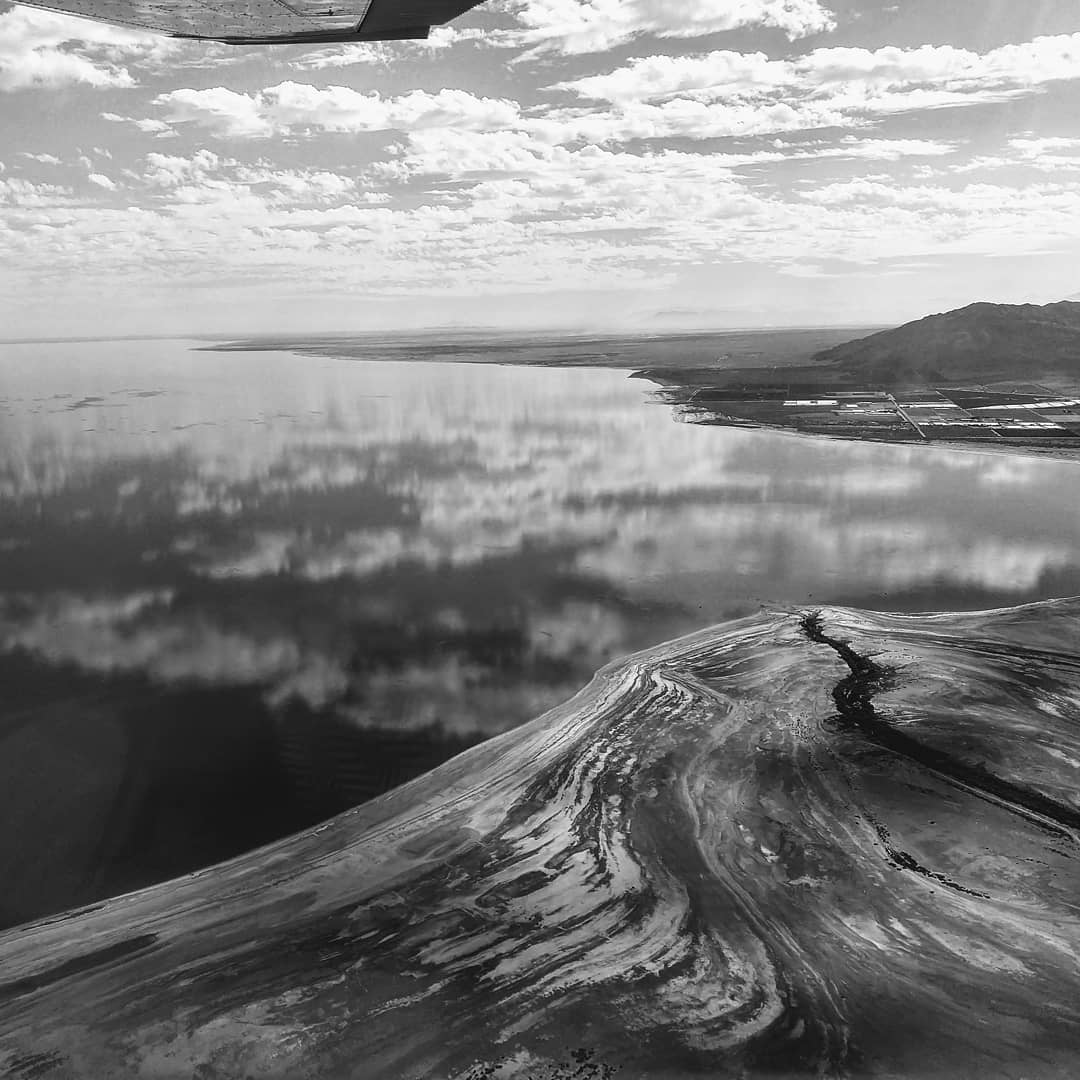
(983, 373)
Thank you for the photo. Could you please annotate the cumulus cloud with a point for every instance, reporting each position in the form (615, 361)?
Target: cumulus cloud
(723, 73)
(19, 193)
(728, 93)
(299, 106)
(373, 52)
(523, 213)
(253, 191)
(1031, 63)
(220, 110)
(44, 49)
(591, 182)
(583, 26)
(725, 93)
(717, 95)
(172, 170)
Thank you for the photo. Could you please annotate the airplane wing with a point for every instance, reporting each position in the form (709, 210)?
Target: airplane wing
(268, 22)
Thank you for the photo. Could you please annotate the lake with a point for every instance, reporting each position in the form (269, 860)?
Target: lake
(240, 592)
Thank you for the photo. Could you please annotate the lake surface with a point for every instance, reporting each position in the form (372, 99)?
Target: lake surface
(242, 591)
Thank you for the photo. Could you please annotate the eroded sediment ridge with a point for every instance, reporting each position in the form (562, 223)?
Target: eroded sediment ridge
(739, 852)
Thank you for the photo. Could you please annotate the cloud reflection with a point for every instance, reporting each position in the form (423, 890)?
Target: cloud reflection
(417, 545)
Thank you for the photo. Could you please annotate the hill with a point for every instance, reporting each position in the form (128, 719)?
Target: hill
(981, 341)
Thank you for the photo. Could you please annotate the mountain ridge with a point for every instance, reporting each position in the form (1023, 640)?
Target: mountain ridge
(981, 340)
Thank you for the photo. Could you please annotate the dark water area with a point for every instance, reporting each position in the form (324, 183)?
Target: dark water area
(240, 592)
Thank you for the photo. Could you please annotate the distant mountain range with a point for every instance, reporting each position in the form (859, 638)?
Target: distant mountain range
(981, 341)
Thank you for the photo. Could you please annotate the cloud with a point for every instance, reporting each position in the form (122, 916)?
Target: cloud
(301, 108)
(972, 200)
(44, 49)
(495, 155)
(20, 193)
(1031, 63)
(205, 177)
(876, 149)
(730, 93)
(222, 111)
(368, 52)
(1039, 148)
(584, 26)
(1051, 153)
(505, 210)
(590, 183)
(147, 125)
(687, 118)
(43, 159)
(171, 170)
(720, 94)
(291, 106)
(723, 73)
(372, 52)
(102, 181)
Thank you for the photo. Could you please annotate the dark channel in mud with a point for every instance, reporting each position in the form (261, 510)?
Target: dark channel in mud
(854, 697)
(836, 845)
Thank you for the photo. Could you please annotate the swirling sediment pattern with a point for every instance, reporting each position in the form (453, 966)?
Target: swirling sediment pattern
(837, 845)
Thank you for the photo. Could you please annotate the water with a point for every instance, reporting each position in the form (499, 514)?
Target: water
(241, 591)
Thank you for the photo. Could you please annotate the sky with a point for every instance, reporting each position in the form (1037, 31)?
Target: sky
(554, 164)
